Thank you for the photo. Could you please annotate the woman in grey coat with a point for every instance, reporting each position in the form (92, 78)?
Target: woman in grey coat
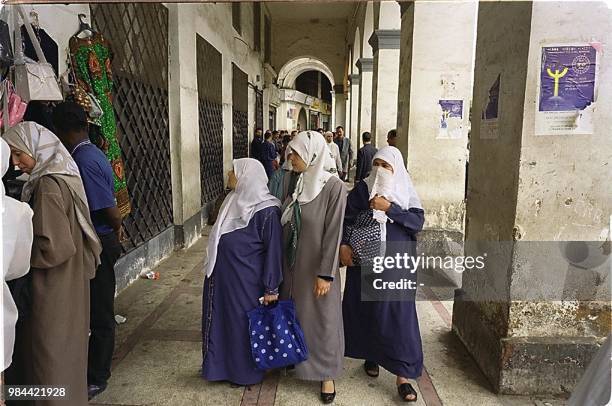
(314, 203)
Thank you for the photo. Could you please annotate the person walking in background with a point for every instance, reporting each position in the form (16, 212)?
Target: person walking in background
(268, 154)
(17, 236)
(384, 332)
(346, 153)
(243, 263)
(329, 138)
(314, 202)
(65, 255)
(392, 138)
(256, 144)
(365, 155)
(70, 121)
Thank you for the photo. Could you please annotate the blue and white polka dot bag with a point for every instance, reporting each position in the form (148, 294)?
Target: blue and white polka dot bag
(276, 337)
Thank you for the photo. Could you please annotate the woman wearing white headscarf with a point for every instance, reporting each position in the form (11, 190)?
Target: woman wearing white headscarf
(65, 254)
(16, 240)
(314, 202)
(383, 332)
(243, 263)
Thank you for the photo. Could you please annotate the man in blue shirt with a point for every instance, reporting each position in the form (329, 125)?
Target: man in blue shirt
(70, 121)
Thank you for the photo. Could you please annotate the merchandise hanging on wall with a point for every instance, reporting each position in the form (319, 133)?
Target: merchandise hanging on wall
(566, 91)
(91, 62)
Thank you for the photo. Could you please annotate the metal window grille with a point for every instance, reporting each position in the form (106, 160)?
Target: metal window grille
(259, 121)
(210, 111)
(138, 34)
(240, 100)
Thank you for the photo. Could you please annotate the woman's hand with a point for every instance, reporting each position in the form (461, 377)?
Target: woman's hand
(380, 203)
(321, 287)
(346, 255)
(269, 299)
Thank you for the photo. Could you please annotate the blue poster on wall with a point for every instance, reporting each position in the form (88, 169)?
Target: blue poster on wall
(450, 109)
(567, 78)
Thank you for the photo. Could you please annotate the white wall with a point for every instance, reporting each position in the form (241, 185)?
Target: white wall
(442, 65)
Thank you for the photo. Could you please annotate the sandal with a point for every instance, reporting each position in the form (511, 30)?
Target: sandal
(328, 398)
(405, 390)
(371, 369)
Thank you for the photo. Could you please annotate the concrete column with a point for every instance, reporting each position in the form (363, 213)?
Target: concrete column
(354, 124)
(364, 121)
(533, 322)
(339, 107)
(385, 83)
(438, 40)
(184, 130)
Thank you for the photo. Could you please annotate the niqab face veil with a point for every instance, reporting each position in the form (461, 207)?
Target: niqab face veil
(250, 196)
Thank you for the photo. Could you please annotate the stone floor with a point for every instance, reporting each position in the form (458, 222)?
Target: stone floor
(158, 355)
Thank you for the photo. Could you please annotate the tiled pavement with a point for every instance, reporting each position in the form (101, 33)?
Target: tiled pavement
(158, 355)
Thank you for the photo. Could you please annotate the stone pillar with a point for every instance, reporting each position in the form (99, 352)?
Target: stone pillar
(339, 107)
(535, 188)
(385, 83)
(184, 130)
(364, 121)
(354, 124)
(438, 82)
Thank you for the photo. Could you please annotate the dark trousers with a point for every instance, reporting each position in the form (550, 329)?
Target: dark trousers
(102, 313)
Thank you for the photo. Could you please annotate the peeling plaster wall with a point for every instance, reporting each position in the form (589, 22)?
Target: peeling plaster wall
(564, 180)
(535, 188)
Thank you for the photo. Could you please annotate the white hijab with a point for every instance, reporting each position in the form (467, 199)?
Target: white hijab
(312, 148)
(16, 236)
(401, 191)
(250, 196)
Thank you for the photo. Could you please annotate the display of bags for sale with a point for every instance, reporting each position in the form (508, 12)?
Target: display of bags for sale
(6, 50)
(33, 80)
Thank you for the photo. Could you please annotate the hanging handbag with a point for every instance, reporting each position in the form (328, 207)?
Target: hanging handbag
(365, 238)
(6, 50)
(13, 106)
(277, 340)
(33, 80)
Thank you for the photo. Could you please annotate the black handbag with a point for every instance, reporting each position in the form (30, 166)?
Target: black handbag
(6, 49)
(214, 213)
(365, 238)
(21, 290)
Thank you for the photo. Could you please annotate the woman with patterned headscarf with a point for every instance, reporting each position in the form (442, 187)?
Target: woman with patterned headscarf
(314, 202)
(52, 349)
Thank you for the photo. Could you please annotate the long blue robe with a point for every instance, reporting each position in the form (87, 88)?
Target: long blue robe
(249, 263)
(385, 332)
(268, 155)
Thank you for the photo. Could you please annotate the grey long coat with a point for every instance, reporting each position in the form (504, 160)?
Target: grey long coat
(317, 254)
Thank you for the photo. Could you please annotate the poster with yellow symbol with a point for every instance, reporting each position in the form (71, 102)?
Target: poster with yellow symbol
(567, 90)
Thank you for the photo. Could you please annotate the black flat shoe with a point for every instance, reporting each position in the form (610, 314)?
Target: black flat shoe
(406, 389)
(328, 398)
(94, 390)
(371, 369)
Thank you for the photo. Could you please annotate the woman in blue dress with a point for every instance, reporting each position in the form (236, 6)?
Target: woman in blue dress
(384, 332)
(243, 264)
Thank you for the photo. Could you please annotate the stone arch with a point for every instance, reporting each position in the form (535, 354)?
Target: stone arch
(295, 67)
(368, 30)
(302, 120)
